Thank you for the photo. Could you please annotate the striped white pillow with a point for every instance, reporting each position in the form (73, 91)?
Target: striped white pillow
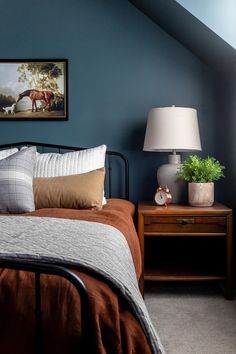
(70, 163)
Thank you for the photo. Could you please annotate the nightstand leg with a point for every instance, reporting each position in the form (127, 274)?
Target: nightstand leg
(141, 242)
(229, 259)
(141, 286)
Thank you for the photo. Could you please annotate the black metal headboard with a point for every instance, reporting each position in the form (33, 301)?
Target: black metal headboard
(117, 166)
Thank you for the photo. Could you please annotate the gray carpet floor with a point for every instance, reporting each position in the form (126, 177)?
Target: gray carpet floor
(192, 318)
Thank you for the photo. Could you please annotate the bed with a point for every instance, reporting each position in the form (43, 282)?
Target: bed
(69, 275)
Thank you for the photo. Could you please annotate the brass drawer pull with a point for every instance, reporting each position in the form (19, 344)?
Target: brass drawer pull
(184, 222)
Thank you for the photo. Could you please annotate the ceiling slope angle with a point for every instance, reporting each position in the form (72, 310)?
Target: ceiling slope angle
(218, 15)
(191, 33)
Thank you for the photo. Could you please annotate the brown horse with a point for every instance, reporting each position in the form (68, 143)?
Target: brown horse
(36, 95)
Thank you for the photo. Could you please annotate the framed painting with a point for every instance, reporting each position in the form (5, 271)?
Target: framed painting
(34, 89)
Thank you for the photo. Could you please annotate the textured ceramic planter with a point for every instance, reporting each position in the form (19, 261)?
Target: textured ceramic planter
(201, 194)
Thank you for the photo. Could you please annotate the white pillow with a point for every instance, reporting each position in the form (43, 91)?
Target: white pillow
(8, 152)
(70, 163)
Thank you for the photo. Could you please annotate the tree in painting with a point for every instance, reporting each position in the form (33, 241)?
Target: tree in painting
(41, 77)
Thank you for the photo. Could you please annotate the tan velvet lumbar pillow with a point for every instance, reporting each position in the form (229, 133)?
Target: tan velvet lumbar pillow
(81, 191)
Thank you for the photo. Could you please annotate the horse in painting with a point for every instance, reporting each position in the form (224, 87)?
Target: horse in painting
(36, 95)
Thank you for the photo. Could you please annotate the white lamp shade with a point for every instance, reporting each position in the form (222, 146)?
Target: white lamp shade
(172, 128)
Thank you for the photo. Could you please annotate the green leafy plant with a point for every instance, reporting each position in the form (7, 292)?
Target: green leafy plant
(198, 170)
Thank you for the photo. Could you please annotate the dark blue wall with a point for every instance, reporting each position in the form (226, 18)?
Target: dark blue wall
(120, 65)
(226, 138)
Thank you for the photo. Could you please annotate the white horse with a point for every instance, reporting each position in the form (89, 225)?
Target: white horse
(9, 110)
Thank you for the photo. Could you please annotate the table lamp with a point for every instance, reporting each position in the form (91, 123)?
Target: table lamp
(173, 129)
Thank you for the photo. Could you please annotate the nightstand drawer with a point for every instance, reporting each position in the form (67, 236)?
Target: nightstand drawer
(182, 224)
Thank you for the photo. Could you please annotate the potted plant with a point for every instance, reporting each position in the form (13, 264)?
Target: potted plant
(200, 174)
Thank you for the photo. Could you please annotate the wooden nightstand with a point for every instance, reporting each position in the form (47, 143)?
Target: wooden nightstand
(195, 244)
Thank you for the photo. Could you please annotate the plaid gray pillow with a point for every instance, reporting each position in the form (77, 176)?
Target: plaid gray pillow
(16, 174)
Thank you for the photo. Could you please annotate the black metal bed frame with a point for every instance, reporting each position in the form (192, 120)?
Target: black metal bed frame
(51, 269)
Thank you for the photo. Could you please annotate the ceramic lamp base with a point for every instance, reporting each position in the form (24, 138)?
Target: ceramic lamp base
(167, 176)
